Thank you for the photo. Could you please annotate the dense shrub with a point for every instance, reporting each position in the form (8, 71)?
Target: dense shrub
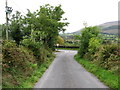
(18, 62)
(37, 32)
(93, 47)
(39, 51)
(94, 44)
(32, 45)
(107, 57)
(86, 34)
(60, 40)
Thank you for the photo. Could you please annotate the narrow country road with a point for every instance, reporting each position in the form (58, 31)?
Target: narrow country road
(65, 72)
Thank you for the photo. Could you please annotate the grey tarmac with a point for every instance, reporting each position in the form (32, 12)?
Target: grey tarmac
(65, 72)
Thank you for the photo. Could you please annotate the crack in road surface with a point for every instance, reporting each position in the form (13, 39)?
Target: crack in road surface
(65, 72)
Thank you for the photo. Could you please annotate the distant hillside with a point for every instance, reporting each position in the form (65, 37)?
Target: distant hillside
(75, 33)
(108, 27)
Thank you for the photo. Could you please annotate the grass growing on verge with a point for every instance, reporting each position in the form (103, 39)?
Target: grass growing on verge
(105, 76)
(30, 82)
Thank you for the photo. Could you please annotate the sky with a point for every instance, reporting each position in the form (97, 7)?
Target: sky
(93, 12)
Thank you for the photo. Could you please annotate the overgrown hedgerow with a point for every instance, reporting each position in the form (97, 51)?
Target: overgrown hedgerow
(92, 48)
(19, 63)
(35, 35)
(107, 57)
(16, 63)
(108, 78)
(99, 54)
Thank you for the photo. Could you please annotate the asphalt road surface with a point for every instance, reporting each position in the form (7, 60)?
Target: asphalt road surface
(65, 72)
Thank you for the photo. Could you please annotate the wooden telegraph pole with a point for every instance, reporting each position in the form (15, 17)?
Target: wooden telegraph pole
(8, 11)
(6, 21)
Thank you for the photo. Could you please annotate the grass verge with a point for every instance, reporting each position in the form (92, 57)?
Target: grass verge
(107, 77)
(30, 82)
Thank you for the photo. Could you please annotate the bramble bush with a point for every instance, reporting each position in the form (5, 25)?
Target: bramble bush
(107, 57)
(19, 63)
(16, 57)
(16, 63)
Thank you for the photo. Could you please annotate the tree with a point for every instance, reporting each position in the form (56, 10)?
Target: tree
(86, 34)
(15, 27)
(3, 31)
(48, 20)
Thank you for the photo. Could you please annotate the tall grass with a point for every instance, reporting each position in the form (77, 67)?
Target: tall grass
(30, 82)
(108, 78)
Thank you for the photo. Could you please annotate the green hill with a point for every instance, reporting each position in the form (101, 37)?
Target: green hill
(108, 27)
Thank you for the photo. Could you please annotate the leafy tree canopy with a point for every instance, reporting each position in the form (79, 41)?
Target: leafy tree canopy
(43, 25)
(86, 34)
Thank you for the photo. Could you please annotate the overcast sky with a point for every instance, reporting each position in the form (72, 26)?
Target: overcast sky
(94, 12)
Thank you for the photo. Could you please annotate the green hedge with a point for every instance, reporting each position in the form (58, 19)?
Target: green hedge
(19, 64)
(109, 78)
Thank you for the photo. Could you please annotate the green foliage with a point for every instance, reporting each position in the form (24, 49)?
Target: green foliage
(14, 56)
(47, 20)
(34, 46)
(9, 44)
(35, 35)
(31, 44)
(16, 63)
(91, 48)
(110, 38)
(19, 64)
(2, 30)
(105, 76)
(53, 24)
(86, 34)
(37, 48)
(30, 82)
(94, 44)
(15, 27)
(107, 57)
(60, 40)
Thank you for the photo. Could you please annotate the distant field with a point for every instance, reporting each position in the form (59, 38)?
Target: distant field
(115, 31)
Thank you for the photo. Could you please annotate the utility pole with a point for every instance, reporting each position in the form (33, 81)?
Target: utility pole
(8, 11)
(6, 21)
